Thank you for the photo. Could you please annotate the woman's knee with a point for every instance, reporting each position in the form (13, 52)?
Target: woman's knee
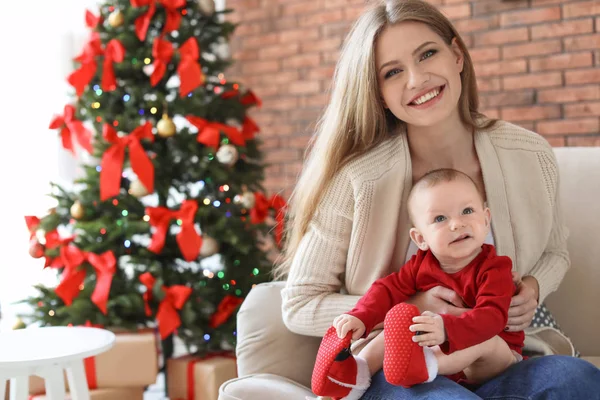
(557, 365)
(441, 388)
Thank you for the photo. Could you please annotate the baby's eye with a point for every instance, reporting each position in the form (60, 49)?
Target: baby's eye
(468, 210)
(392, 72)
(439, 218)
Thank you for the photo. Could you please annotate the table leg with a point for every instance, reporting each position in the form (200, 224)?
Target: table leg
(55, 383)
(78, 385)
(19, 388)
(3, 383)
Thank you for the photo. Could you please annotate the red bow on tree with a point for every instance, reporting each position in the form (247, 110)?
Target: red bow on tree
(189, 70)
(248, 99)
(142, 23)
(113, 158)
(114, 52)
(69, 126)
(209, 133)
(260, 212)
(167, 315)
(73, 277)
(91, 20)
(188, 239)
(224, 310)
(52, 239)
(249, 128)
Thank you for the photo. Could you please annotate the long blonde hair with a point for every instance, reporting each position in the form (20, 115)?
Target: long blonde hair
(355, 120)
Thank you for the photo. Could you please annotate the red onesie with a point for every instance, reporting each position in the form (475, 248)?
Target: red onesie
(485, 285)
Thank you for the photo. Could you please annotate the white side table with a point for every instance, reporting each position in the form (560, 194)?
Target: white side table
(46, 352)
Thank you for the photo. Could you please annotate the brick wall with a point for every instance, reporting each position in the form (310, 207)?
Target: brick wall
(537, 63)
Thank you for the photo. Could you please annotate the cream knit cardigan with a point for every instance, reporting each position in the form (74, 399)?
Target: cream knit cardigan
(360, 230)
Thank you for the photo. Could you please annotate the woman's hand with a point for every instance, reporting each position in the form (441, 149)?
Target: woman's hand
(523, 304)
(439, 300)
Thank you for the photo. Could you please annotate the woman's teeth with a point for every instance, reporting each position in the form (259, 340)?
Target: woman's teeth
(426, 97)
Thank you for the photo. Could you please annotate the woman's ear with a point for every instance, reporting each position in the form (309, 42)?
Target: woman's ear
(418, 238)
(460, 57)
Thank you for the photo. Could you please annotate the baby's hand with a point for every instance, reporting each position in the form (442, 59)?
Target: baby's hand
(432, 329)
(346, 323)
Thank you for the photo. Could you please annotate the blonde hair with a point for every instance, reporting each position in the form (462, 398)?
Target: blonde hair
(355, 120)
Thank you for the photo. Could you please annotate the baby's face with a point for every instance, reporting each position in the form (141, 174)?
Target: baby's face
(452, 219)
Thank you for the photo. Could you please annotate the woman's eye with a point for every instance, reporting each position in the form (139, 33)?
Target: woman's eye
(468, 210)
(428, 54)
(392, 72)
(439, 218)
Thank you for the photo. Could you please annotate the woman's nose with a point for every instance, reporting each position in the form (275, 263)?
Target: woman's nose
(417, 78)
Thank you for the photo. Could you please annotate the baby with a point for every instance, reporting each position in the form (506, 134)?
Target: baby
(450, 223)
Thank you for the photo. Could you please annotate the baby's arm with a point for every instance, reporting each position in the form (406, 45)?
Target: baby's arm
(488, 317)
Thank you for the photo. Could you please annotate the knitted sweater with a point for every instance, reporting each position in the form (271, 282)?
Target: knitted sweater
(360, 230)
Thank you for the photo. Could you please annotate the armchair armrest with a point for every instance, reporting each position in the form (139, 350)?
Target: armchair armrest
(265, 344)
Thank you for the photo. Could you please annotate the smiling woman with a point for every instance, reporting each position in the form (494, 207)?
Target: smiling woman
(404, 103)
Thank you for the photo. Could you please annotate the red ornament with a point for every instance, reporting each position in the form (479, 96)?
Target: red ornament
(36, 250)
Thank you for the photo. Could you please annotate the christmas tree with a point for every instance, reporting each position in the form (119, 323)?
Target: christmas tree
(168, 226)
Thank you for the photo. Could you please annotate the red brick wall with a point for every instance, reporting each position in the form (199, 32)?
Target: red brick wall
(537, 63)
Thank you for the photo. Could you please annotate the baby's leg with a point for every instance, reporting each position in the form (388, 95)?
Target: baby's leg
(373, 354)
(479, 363)
(496, 358)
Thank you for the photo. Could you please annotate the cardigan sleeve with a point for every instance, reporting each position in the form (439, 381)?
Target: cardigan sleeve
(554, 262)
(311, 297)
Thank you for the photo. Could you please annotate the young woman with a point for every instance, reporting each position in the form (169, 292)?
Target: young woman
(404, 102)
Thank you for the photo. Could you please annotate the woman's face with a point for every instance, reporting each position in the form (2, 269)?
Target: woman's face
(418, 73)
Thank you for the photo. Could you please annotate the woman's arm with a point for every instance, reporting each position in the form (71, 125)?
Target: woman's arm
(312, 298)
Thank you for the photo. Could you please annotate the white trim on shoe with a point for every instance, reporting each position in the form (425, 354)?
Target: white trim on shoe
(363, 380)
(431, 363)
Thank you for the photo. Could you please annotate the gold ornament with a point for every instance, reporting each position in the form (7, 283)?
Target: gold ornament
(116, 19)
(227, 154)
(209, 246)
(19, 324)
(77, 210)
(207, 7)
(166, 127)
(137, 189)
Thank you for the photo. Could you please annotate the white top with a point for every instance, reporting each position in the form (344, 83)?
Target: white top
(49, 345)
(412, 247)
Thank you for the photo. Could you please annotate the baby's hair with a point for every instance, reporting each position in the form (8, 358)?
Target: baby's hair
(434, 178)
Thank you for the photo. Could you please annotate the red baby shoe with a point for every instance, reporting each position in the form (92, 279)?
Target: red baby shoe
(404, 361)
(333, 361)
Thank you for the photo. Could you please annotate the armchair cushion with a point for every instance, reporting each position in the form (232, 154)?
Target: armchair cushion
(262, 387)
(265, 345)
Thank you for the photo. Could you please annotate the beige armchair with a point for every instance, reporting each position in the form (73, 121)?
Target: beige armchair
(274, 363)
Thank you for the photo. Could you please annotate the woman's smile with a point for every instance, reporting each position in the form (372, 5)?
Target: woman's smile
(428, 99)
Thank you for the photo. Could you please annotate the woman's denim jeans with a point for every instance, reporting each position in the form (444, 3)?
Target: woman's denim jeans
(541, 378)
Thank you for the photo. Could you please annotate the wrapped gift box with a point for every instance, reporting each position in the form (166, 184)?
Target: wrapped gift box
(106, 394)
(199, 378)
(131, 362)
